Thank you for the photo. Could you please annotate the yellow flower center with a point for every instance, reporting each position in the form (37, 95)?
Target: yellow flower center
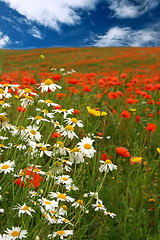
(15, 234)
(6, 84)
(48, 101)
(56, 123)
(63, 110)
(60, 144)
(53, 212)
(80, 202)
(75, 150)
(1, 102)
(20, 128)
(1, 145)
(65, 220)
(25, 208)
(28, 90)
(62, 196)
(21, 174)
(5, 167)
(3, 118)
(48, 82)
(45, 110)
(1, 91)
(43, 149)
(54, 218)
(74, 120)
(108, 161)
(29, 98)
(61, 232)
(65, 179)
(47, 202)
(36, 170)
(99, 205)
(38, 118)
(45, 215)
(87, 146)
(64, 207)
(33, 132)
(69, 127)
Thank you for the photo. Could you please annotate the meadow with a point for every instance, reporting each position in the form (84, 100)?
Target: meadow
(80, 144)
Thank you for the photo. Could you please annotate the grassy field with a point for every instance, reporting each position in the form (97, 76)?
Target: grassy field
(80, 144)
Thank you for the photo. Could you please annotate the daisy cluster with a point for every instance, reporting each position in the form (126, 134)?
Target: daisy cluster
(42, 158)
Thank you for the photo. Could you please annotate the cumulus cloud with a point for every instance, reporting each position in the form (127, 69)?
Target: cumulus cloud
(130, 8)
(52, 13)
(4, 40)
(126, 36)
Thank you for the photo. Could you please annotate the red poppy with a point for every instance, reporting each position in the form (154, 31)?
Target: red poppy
(21, 109)
(76, 111)
(137, 119)
(56, 135)
(125, 114)
(123, 152)
(151, 127)
(34, 177)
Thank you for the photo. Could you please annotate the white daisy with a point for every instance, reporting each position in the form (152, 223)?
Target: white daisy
(112, 215)
(48, 85)
(28, 100)
(86, 148)
(99, 206)
(61, 196)
(4, 105)
(7, 167)
(61, 234)
(27, 92)
(79, 203)
(45, 113)
(48, 204)
(16, 232)
(107, 165)
(32, 133)
(24, 209)
(64, 111)
(65, 179)
(38, 119)
(68, 131)
(74, 122)
(4, 93)
(48, 103)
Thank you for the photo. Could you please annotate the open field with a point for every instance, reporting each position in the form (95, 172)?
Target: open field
(80, 144)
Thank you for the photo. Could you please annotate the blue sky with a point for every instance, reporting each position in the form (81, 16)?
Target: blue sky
(78, 23)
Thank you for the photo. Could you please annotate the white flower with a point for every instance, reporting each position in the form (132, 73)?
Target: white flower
(28, 100)
(27, 91)
(48, 103)
(16, 232)
(48, 85)
(68, 131)
(38, 119)
(5, 237)
(74, 122)
(112, 215)
(79, 203)
(4, 93)
(4, 105)
(24, 209)
(1, 210)
(46, 113)
(33, 133)
(65, 179)
(71, 187)
(61, 234)
(107, 165)
(64, 111)
(99, 205)
(7, 167)
(48, 204)
(85, 147)
(61, 196)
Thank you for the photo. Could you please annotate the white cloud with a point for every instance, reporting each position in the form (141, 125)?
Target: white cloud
(52, 13)
(126, 36)
(131, 9)
(4, 40)
(35, 32)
